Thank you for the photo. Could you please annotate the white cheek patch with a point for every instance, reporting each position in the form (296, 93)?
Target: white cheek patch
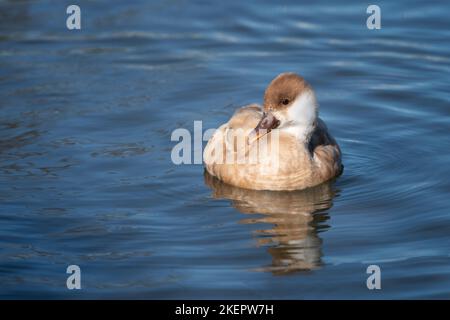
(300, 116)
(304, 109)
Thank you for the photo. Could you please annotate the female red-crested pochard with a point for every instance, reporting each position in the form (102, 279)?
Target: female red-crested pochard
(295, 138)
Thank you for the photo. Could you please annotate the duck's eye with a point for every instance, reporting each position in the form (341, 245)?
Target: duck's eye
(285, 102)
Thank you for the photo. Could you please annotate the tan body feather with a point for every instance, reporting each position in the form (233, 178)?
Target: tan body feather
(300, 165)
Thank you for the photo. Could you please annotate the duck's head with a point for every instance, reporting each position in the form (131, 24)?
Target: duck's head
(289, 105)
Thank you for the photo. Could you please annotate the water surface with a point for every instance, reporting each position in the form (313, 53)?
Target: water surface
(86, 176)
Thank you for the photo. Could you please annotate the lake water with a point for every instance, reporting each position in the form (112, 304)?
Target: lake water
(86, 176)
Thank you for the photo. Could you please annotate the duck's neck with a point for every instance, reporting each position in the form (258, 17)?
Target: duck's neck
(301, 131)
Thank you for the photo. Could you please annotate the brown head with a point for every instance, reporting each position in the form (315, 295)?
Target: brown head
(283, 90)
(289, 104)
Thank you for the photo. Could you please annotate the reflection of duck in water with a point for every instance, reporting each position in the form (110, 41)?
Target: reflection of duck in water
(293, 240)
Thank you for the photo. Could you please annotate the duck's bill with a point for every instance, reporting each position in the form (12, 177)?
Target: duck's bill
(265, 125)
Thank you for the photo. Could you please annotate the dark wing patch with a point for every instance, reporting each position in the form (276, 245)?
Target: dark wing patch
(320, 137)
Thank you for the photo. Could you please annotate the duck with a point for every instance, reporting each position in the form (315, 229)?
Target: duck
(282, 145)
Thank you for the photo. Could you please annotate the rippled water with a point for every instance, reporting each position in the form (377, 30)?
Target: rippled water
(86, 176)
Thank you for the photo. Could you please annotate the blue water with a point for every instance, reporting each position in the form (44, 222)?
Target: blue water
(86, 176)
